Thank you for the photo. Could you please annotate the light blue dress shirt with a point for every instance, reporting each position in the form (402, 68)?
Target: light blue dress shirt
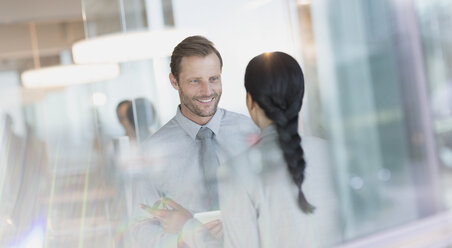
(173, 170)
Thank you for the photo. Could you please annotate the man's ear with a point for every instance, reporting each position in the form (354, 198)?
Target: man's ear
(173, 81)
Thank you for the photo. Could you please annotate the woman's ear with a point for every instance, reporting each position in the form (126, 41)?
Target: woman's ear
(251, 106)
(249, 102)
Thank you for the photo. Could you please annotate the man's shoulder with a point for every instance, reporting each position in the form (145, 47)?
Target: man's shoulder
(227, 115)
(164, 133)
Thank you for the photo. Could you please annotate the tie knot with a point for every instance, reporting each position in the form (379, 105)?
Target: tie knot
(204, 133)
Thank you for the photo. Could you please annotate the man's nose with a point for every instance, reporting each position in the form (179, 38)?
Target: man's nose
(206, 88)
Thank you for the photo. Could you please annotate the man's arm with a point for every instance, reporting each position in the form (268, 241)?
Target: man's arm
(146, 230)
(239, 216)
(195, 234)
(171, 216)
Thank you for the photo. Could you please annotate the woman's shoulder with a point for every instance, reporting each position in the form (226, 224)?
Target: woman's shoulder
(252, 167)
(316, 149)
(313, 141)
(267, 156)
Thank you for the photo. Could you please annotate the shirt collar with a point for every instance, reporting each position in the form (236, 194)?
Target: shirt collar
(192, 128)
(270, 130)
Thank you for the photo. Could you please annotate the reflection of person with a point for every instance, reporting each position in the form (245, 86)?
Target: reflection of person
(189, 147)
(146, 118)
(261, 200)
(23, 165)
(12, 148)
(121, 112)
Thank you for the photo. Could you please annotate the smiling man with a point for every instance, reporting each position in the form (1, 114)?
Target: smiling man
(199, 86)
(186, 151)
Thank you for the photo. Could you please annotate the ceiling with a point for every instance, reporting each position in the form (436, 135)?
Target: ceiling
(58, 25)
(22, 11)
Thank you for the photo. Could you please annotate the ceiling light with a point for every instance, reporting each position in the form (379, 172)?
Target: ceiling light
(129, 46)
(99, 99)
(66, 75)
(304, 2)
(256, 4)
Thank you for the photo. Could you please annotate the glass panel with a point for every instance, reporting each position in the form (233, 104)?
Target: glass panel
(369, 120)
(434, 21)
(111, 16)
(69, 156)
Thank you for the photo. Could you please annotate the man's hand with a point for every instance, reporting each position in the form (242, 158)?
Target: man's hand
(173, 219)
(215, 228)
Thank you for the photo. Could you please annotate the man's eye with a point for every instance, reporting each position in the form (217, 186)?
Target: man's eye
(214, 78)
(194, 81)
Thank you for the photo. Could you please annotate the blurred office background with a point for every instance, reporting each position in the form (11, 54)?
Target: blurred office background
(379, 90)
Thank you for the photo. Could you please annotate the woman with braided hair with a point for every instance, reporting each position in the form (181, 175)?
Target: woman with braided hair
(261, 198)
(260, 192)
(275, 87)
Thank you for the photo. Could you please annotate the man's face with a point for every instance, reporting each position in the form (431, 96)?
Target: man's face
(122, 114)
(199, 86)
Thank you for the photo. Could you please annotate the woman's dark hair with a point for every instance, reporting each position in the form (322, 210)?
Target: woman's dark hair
(275, 82)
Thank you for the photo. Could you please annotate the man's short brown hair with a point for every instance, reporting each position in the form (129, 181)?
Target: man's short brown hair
(192, 46)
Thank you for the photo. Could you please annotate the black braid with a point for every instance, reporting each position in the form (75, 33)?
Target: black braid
(275, 81)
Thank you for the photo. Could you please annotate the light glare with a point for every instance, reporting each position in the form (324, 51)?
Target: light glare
(130, 46)
(99, 99)
(68, 75)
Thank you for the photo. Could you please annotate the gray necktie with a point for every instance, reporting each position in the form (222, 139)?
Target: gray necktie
(209, 164)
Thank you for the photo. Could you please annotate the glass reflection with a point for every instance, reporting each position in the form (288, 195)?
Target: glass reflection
(378, 92)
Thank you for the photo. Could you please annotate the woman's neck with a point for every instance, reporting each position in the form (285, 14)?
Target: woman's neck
(261, 120)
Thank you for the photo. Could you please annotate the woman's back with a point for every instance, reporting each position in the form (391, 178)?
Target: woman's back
(259, 200)
(260, 192)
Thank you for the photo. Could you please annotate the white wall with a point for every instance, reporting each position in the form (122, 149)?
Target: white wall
(240, 30)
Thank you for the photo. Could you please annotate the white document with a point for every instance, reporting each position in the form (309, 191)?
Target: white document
(205, 217)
